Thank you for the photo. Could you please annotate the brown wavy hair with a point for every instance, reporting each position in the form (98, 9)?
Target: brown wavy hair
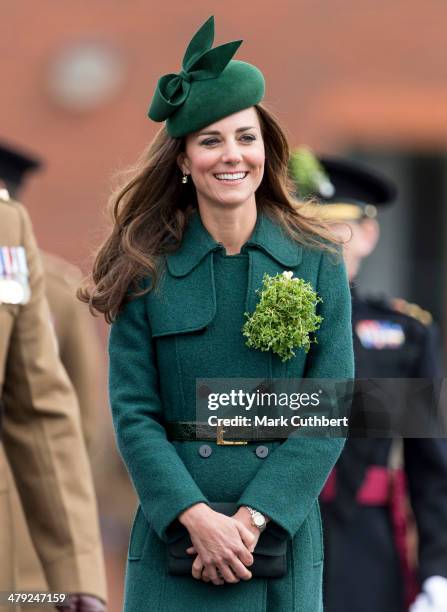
(150, 212)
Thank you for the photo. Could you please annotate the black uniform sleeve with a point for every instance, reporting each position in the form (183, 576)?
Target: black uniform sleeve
(426, 469)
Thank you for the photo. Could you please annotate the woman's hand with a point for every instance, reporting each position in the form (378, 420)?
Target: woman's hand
(243, 516)
(223, 544)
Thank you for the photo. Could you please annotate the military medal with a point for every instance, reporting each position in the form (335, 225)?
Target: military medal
(14, 286)
(379, 335)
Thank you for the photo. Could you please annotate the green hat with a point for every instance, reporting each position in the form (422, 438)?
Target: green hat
(210, 86)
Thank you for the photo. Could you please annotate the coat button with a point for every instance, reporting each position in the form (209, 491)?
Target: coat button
(262, 452)
(205, 450)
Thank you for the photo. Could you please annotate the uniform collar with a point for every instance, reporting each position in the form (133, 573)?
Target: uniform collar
(197, 243)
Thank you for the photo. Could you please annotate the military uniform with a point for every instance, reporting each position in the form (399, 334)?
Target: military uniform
(367, 568)
(364, 567)
(79, 350)
(41, 433)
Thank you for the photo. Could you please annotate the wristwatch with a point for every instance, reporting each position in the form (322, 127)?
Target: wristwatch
(257, 519)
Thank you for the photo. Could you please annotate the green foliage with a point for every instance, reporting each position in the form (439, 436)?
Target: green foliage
(309, 175)
(284, 317)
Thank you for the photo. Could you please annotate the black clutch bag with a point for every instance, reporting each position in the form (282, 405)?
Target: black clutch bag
(270, 554)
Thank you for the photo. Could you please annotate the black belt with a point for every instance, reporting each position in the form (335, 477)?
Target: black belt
(191, 430)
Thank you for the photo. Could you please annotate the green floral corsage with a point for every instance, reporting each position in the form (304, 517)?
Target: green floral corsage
(285, 316)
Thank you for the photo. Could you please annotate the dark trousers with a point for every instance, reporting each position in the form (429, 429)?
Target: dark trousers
(362, 571)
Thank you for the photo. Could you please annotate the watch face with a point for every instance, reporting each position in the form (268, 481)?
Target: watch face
(258, 520)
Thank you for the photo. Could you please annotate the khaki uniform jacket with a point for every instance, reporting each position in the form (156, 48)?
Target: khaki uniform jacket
(42, 438)
(81, 355)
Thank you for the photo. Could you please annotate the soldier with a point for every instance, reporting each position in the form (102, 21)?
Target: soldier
(41, 431)
(78, 346)
(366, 565)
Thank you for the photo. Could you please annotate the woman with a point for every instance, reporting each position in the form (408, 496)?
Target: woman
(207, 214)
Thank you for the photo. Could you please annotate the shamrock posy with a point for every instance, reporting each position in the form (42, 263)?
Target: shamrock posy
(284, 317)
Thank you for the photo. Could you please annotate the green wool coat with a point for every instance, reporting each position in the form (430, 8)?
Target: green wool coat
(188, 328)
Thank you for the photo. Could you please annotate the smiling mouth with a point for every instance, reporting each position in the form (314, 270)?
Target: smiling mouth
(231, 176)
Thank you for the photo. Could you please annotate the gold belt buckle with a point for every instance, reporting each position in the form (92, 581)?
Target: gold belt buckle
(220, 440)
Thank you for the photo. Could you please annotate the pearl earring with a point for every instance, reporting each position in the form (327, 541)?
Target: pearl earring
(185, 179)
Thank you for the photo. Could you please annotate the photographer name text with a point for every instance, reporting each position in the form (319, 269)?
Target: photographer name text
(265, 421)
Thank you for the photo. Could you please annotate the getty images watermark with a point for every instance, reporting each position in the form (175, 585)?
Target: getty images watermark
(277, 408)
(240, 400)
(253, 409)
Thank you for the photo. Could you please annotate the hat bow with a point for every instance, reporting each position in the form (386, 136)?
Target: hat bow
(200, 62)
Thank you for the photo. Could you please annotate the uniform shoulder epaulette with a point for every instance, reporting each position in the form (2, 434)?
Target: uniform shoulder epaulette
(400, 306)
(412, 310)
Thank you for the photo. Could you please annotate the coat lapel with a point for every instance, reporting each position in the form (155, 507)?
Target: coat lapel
(185, 300)
(271, 251)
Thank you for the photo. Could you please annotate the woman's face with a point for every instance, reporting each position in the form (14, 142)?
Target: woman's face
(225, 160)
